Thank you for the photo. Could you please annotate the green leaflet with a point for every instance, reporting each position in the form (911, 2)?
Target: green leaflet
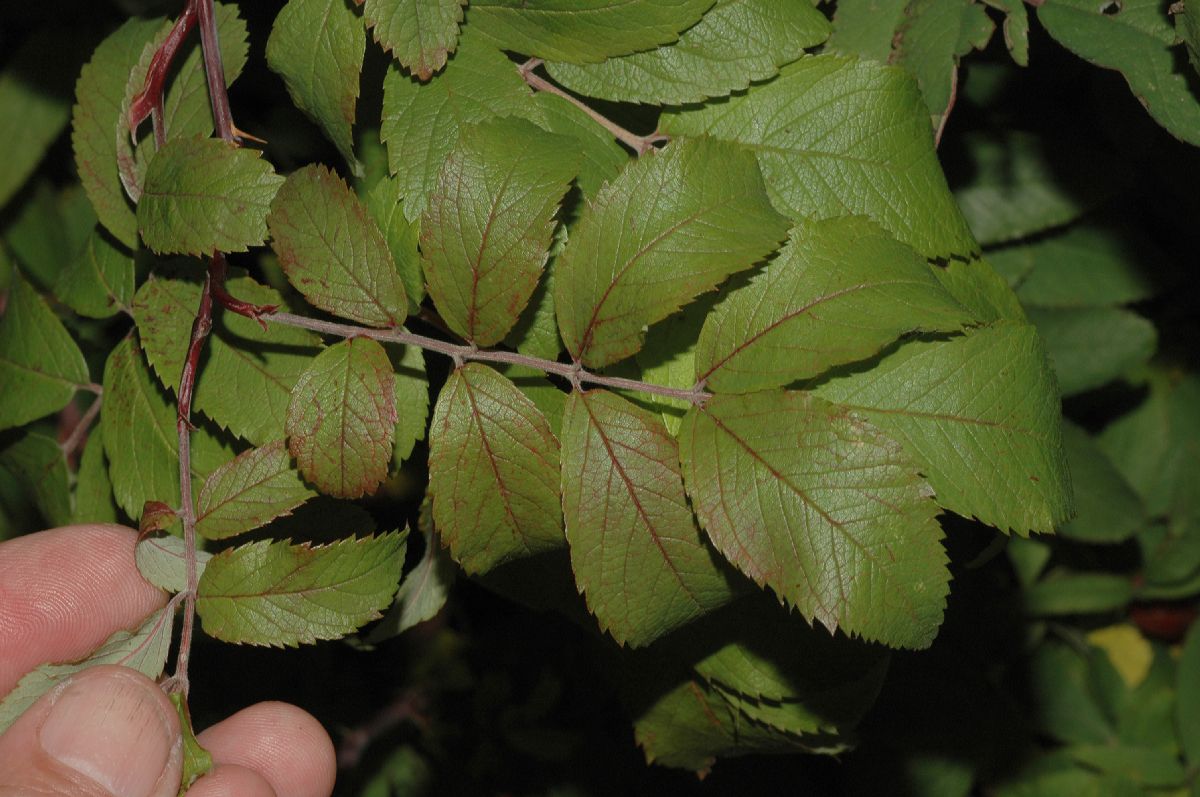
(140, 437)
(980, 415)
(839, 292)
(317, 47)
(669, 359)
(977, 287)
(1077, 593)
(486, 231)
(421, 121)
(820, 506)
(1092, 346)
(49, 232)
(866, 28)
(187, 110)
(817, 166)
(386, 205)
(1107, 510)
(341, 422)
(34, 108)
(422, 594)
(95, 118)
(734, 43)
(272, 593)
(1153, 445)
(37, 353)
(584, 31)
(1020, 185)
(253, 489)
(1016, 28)
(1188, 705)
(672, 225)
(144, 649)
(637, 554)
(1138, 42)
(1087, 265)
(246, 380)
(333, 252)
(420, 34)
(99, 282)
(493, 471)
(689, 725)
(197, 761)
(35, 462)
(785, 674)
(204, 195)
(161, 561)
(601, 156)
(536, 331)
(93, 491)
(929, 43)
(1187, 27)
(412, 399)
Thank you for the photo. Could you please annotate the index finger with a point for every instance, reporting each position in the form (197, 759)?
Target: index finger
(66, 590)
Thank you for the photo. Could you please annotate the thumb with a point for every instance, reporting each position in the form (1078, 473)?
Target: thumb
(105, 732)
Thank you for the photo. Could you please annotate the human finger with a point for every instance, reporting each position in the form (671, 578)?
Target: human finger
(284, 744)
(65, 591)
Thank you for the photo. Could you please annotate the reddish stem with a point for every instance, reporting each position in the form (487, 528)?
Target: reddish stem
(213, 70)
(150, 98)
(201, 326)
(219, 269)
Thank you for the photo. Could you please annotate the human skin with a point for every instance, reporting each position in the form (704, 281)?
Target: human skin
(110, 731)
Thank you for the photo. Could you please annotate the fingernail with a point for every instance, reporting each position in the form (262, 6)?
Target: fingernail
(111, 728)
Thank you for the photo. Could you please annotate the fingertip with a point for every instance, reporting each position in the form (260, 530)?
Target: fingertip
(231, 780)
(283, 743)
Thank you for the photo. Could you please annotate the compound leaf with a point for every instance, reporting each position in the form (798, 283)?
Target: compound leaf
(333, 252)
(818, 165)
(493, 471)
(980, 414)
(143, 649)
(140, 437)
(584, 31)
(1137, 40)
(674, 224)
(840, 291)
(638, 557)
(38, 354)
(94, 122)
(204, 195)
(253, 489)
(487, 229)
(317, 47)
(247, 378)
(420, 34)
(734, 43)
(341, 422)
(273, 593)
(822, 507)
(421, 121)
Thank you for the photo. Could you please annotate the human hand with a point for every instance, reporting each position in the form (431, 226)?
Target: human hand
(110, 731)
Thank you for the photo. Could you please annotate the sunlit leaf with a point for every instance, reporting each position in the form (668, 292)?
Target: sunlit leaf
(273, 593)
